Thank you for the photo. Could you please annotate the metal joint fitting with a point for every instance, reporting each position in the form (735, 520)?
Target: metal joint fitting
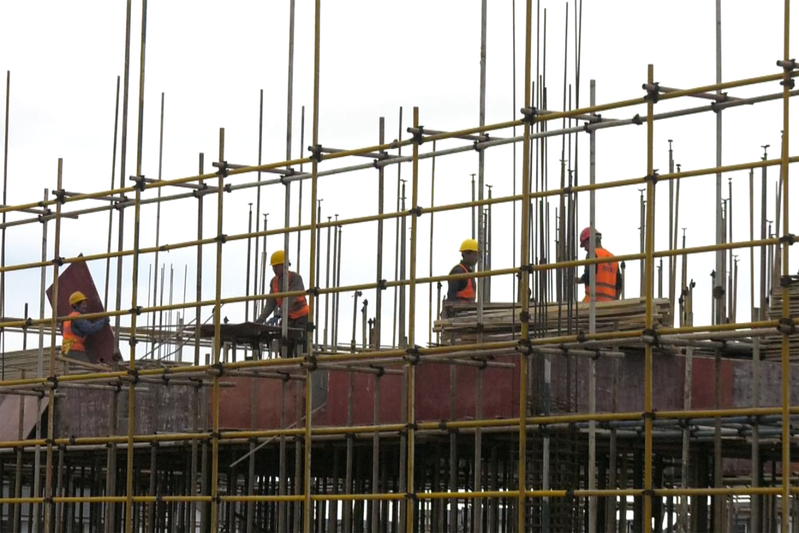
(313, 291)
(416, 211)
(788, 281)
(651, 337)
(49, 442)
(73, 440)
(350, 436)
(569, 494)
(411, 496)
(380, 370)
(223, 168)
(652, 92)
(134, 375)
(159, 498)
(649, 415)
(788, 239)
(284, 377)
(648, 493)
(442, 425)
(60, 195)
(48, 500)
(154, 444)
(218, 368)
(525, 347)
(581, 336)
(524, 317)
(381, 285)
(790, 82)
(221, 238)
(141, 184)
(310, 362)
(165, 376)
(228, 187)
(567, 189)
(58, 261)
(253, 440)
(412, 355)
(28, 322)
(718, 292)
(215, 435)
(133, 341)
(786, 326)
(316, 152)
(135, 310)
(596, 355)
(529, 115)
(483, 364)
(637, 120)
(418, 135)
(652, 177)
(787, 65)
(53, 382)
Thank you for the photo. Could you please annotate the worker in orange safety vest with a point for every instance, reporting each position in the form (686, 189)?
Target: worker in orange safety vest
(464, 290)
(76, 329)
(296, 308)
(608, 277)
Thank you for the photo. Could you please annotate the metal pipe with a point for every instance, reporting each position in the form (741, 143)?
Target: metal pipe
(379, 275)
(650, 246)
(257, 205)
(110, 211)
(5, 201)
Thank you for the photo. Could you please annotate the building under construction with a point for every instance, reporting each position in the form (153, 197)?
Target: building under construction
(536, 411)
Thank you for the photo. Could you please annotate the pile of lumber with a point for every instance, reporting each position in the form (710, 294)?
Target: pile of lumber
(458, 324)
(772, 345)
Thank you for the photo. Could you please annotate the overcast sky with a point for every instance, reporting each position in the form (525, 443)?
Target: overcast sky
(211, 62)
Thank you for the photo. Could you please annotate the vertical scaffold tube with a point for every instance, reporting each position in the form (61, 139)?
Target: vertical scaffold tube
(217, 335)
(650, 270)
(48, 469)
(312, 282)
(411, 373)
(525, 276)
(788, 65)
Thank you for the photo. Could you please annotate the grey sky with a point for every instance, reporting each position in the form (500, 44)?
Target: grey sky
(211, 59)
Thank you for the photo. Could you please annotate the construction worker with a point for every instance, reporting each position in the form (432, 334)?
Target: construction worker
(608, 277)
(464, 290)
(76, 330)
(296, 310)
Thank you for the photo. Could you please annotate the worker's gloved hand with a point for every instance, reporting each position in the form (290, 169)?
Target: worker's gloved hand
(273, 321)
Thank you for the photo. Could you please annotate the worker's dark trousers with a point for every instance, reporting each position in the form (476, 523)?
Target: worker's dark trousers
(299, 324)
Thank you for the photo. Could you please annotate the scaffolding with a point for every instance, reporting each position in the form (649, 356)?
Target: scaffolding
(544, 470)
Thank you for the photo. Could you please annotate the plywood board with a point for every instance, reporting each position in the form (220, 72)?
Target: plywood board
(9, 414)
(100, 347)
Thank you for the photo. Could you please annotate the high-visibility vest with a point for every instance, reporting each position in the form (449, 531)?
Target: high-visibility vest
(300, 305)
(605, 279)
(467, 294)
(72, 342)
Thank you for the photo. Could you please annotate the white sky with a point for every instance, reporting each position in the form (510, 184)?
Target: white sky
(212, 61)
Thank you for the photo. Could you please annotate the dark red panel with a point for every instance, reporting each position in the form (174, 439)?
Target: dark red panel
(235, 402)
(702, 385)
(100, 347)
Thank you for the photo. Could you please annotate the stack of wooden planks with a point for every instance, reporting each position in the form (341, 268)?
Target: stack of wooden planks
(501, 320)
(772, 345)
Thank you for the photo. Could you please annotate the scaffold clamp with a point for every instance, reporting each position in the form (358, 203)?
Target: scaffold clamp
(418, 135)
(60, 195)
(316, 152)
(525, 347)
(652, 92)
(223, 168)
(788, 239)
(412, 355)
(637, 120)
(133, 374)
(787, 326)
(58, 261)
(52, 382)
(381, 371)
(652, 177)
(221, 238)
(651, 415)
(651, 337)
(416, 211)
(381, 285)
(135, 310)
(529, 115)
(140, 182)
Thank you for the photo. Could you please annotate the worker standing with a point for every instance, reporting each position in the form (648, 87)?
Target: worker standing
(75, 330)
(296, 309)
(464, 290)
(608, 277)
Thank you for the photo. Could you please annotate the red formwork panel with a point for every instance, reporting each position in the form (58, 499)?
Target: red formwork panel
(100, 347)
(432, 398)
(235, 402)
(704, 378)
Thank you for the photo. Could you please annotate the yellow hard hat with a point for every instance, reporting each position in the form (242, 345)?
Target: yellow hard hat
(469, 245)
(277, 258)
(76, 297)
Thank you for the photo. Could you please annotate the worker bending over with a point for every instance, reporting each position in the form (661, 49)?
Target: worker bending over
(608, 277)
(75, 330)
(463, 290)
(296, 309)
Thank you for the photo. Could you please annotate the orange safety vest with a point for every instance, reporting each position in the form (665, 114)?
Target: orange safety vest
(301, 306)
(605, 279)
(467, 294)
(72, 342)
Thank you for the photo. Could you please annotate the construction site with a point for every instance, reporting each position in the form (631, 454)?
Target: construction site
(385, 404)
